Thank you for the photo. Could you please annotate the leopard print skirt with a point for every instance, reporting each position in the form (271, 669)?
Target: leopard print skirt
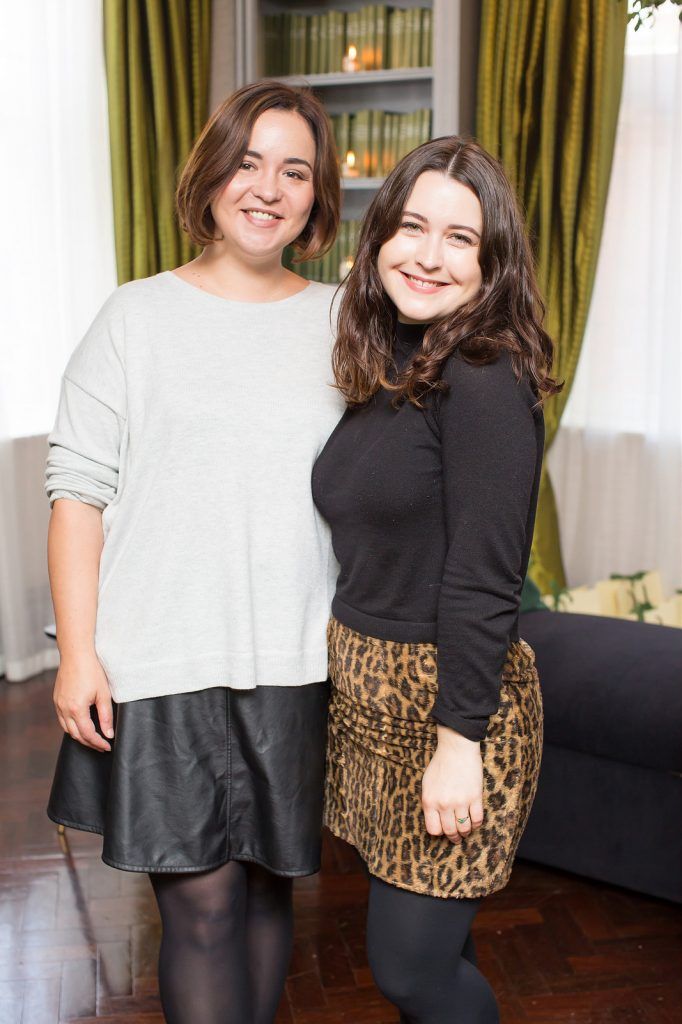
(380, 741)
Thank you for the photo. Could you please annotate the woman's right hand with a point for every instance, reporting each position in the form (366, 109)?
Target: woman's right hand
(81, 682)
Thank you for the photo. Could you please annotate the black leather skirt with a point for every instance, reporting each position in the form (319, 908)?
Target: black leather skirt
(197, 779)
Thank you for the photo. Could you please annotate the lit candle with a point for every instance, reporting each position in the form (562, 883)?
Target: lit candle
(345, 267)
(348, 168)
(350, 60)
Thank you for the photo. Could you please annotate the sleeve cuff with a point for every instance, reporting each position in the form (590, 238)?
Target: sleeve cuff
(471, 728)
(85, 499)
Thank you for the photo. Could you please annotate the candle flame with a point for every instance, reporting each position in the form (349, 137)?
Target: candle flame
(352, 52)
(350, 158)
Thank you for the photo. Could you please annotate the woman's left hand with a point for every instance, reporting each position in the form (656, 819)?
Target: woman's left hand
(452, 787)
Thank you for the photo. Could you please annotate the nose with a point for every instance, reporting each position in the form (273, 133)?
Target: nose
(267, 186)
(429, 252)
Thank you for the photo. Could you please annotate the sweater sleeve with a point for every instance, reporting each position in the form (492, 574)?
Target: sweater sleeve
(85, 443)
(489, 445)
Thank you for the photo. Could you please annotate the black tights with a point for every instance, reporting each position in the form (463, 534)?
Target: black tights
(225, 945)
(422, 957)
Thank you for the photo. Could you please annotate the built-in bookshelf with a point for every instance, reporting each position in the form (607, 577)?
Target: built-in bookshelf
(375, 37)
(390, 75)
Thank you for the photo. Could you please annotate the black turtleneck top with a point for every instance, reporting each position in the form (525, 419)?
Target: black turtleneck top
(432, 514)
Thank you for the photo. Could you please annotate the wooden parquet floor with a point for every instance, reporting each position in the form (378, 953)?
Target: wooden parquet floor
(78, 940)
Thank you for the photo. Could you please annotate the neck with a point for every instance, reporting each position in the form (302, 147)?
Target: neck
(410, 332)
(230, 273)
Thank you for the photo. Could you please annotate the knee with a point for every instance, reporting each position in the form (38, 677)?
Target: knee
(203, 917)
(210, 926)
(423, 992)
(397, 982)
(477, 995)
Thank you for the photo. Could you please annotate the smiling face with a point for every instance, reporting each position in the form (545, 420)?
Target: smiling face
(430, 266)
(267, 203)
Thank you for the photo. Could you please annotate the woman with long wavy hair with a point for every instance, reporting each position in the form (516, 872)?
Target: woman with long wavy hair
(430, 484)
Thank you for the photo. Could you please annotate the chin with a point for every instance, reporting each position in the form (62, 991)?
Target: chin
(421, 311)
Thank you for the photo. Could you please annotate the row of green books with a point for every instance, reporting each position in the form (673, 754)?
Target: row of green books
(379, 138)
(384, 37)
(332, 267)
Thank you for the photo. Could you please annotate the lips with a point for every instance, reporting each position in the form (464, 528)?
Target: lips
(422, 284)
(264, 215)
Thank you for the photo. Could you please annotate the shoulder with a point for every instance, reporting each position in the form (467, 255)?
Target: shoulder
(320, 305)
(494, 384)
(104, 343)
(488, 400)
(129, 299)
(323, 295)
(137, 295)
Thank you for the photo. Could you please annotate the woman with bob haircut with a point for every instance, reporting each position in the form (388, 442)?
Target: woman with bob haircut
(191, 573)
(430, 482)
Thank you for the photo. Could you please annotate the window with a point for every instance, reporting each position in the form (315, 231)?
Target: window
(58, 261)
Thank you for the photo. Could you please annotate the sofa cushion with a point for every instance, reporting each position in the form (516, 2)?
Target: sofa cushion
(611, 687)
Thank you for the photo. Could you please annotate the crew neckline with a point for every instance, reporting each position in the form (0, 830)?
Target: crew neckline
(234, 302)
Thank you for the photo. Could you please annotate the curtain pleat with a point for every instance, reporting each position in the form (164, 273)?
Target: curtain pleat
(550, 77)
(157, 58)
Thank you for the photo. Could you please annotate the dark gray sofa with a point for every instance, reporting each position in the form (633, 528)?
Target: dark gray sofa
(609, 800)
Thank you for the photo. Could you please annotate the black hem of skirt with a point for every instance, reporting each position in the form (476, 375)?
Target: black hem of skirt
(246, 799)
(185, 869)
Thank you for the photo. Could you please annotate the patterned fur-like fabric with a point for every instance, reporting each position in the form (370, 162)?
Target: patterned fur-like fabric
(381, 739)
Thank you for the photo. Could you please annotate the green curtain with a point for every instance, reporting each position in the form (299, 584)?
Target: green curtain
(549, 83)
(157, 60)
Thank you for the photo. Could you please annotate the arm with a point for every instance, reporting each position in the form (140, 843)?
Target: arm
(489, 449)
(74, 547)
(82, 479)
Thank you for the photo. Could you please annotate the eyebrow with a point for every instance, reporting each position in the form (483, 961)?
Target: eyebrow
(289, 159)
(424, 220)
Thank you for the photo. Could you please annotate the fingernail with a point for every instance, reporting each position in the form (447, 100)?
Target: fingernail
(109, 733)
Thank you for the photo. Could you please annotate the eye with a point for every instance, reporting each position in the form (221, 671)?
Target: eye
(297, 174)
(410, 224)
(462, 240)
(246, 163)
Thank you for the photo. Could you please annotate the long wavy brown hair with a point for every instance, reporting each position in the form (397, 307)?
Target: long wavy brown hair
(506, 313)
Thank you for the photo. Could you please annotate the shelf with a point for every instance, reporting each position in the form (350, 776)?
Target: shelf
(450, 82)
(335, 78)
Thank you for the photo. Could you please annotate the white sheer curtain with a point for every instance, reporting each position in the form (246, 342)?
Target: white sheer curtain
(616, 463)
(57, 265)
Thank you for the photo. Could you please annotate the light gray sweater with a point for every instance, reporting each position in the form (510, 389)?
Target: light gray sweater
(193, 422)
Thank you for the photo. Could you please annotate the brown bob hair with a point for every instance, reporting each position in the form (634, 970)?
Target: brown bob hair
(219, 150)
(506, 313)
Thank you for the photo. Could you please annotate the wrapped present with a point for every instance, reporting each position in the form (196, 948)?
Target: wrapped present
(638, 597)
(650, 588)
(667, 613)
(582, 600)
(636, 590)
(615, 597)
